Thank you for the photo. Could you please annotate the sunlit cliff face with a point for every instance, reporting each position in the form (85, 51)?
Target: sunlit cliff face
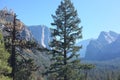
(7, 18)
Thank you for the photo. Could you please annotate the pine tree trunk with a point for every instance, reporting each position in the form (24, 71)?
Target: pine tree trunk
(65, 62)
(65, 52)
(13, 60)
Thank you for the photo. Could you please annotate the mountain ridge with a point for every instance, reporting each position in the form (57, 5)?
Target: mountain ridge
(102, 47)
(92, 48)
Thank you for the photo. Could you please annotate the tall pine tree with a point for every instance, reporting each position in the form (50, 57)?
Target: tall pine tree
(64, 51)
(22, 67)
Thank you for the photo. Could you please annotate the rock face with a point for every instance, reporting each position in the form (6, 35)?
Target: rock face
(40, 57)
(107, 37)
(84, 45)
(41, 34)
(6, 21)
(105, 47)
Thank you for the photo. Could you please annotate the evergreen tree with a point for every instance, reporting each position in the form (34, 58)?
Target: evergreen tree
(66, 64)
(22, 67)
(5, 68)
(25, 69)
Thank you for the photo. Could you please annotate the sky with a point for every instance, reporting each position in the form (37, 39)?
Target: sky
(95, 15)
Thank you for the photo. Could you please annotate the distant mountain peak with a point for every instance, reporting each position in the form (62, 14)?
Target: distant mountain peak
(105, 47)
(107, 37)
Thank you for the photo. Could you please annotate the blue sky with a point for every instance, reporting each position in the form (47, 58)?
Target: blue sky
(95, 15)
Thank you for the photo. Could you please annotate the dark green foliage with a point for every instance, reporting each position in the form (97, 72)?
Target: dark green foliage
(25, 69)
(104, 70)
(5, 68)
(24, 66)
(66, 64)
(31, 44)
(119, 77)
